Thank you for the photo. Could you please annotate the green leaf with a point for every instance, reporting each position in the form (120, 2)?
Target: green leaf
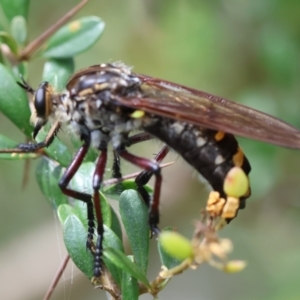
(114, 191)
(8, 40)
(123, 262)
(82, 181)
(58, 71)
(111, 240)
(12, 8)
(74, 38)
(48, 174)
(7, 143)
(130, 286)
(59, 152)
(13, 101)
(115, 224)
(64, 211)
(18, 29)
(134, 214)
(105, 209)
(80, 210)
(75, 235)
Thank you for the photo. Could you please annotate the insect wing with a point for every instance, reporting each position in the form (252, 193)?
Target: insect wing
(178, 102)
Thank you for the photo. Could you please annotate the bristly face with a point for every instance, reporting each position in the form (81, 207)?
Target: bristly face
(43, 100)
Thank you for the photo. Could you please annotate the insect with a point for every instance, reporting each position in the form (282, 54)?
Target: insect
(104, 104)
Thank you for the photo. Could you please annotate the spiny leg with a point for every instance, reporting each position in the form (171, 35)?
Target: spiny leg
(35, 147)
(134, 139)
(144, 177)
(86, 198)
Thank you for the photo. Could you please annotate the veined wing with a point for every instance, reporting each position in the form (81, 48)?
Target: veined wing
(178, 102)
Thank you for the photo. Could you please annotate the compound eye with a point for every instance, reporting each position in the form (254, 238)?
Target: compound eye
(43, 100)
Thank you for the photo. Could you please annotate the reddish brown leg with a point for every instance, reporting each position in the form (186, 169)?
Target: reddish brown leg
(86, 198)
(97, 179)
(134, 139)
(154, 168)
(144, 177)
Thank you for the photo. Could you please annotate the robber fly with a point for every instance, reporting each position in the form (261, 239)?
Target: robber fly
(105, 103)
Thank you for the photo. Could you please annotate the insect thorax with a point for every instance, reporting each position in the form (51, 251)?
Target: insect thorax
(91, 105)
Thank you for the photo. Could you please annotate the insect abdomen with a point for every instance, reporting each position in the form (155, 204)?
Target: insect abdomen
(212, 153)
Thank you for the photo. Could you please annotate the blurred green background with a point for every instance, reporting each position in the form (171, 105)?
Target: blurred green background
(247, 51)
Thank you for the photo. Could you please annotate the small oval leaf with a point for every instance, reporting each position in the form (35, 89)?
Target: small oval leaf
(74, 38)
(134, 214)
(75, 240)
(18, 29)
(110, 239)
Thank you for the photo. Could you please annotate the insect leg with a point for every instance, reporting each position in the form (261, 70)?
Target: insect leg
(154, 168)
(34, 147)
(97, 179)
(143, 178)
(86, 198)
(134, 139)
(116, 168)
(140, 137)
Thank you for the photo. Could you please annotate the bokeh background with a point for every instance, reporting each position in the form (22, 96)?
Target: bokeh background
(248, 51)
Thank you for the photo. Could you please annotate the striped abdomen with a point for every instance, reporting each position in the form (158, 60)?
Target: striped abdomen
(212, 153)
